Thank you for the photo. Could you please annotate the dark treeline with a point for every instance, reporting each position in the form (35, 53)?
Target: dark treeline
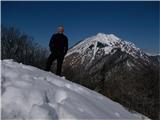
(22, 48)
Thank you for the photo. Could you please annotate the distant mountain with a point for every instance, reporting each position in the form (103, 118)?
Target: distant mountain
(98, 46)
(108, 41)
(117, 69)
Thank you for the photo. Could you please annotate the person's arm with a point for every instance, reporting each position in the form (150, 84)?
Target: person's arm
(51, 43)
(66, 46)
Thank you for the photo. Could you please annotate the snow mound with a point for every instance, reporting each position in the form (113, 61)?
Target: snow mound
(29, 93)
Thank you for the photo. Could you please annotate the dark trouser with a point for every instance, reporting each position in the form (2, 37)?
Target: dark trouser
(52, 57)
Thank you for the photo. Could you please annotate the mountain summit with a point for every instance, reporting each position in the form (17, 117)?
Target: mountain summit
(104, 44)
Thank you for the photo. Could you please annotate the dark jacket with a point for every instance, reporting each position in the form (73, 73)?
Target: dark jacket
(58, 44)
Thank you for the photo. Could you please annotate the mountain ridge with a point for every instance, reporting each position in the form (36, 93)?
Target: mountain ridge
(109, 40)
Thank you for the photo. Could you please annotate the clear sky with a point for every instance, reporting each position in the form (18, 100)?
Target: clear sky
(137, 22)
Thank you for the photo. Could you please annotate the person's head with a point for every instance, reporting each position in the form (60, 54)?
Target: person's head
(60, 29)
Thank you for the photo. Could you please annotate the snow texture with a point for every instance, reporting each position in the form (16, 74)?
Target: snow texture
(29, 93)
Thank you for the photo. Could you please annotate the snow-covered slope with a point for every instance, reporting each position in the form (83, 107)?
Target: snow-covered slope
(29, 93)
(106, 43)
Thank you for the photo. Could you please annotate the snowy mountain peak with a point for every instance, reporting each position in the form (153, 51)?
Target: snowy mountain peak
(113, 37)
(100, 34)
(106, 38)
(104, 43)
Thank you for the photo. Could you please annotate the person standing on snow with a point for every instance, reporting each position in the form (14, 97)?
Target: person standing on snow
(58, 46)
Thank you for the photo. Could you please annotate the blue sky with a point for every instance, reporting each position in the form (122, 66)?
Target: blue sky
(137, 22)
